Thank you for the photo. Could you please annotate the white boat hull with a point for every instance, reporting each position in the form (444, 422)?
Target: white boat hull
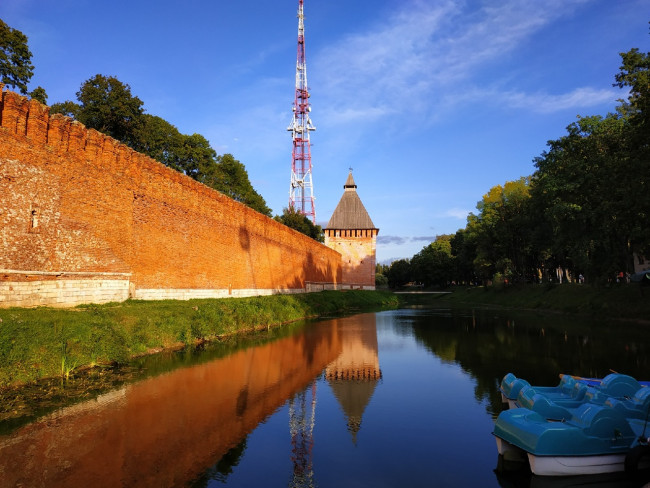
(565, 465)
(510, 452)
(576, 465)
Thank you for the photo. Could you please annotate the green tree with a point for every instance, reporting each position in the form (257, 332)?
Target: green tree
(433, 266)
(381, 275)
(463, 250)
(583, 184)
(16, 67)
(108, 106)
(634, 74)
(236, 184)
(399, 273)
(501, 231)
(161, 141)
(298, 221)
(67, 108)
(39, 94)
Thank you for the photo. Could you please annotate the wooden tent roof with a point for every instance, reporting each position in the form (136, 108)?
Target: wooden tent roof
(350, 212)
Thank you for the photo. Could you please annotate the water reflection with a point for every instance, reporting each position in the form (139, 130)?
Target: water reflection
(354, 374)
(399, 398)
(165, 431)
(536, 347)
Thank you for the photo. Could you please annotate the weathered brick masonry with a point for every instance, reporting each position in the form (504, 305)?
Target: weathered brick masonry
(86, 219)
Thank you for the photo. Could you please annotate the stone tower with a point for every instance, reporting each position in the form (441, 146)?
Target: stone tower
(351, 232)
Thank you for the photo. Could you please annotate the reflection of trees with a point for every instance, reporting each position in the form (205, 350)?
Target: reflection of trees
(223, 468)
(489, 344)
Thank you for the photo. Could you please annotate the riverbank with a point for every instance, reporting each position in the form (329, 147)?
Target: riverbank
(620, 301)
(47, 342)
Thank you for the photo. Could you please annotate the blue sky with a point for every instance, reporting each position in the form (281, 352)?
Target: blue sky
(431, 102)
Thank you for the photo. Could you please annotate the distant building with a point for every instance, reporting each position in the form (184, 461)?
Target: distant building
(351, 232)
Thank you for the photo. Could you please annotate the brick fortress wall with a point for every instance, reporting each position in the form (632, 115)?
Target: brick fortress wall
(85, 219)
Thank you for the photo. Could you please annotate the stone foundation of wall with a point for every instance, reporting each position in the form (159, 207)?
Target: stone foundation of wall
(59, 289)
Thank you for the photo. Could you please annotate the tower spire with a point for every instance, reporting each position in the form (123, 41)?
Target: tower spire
(301, 191)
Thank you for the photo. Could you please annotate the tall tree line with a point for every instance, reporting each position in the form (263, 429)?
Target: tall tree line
(584, 211)
(106, 104)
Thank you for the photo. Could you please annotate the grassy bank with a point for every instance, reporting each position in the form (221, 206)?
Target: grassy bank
(47, 342)
(626, 301)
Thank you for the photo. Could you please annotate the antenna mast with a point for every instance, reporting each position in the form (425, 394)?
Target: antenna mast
(301, 192)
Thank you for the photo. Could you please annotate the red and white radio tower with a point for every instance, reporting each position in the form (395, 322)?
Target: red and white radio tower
(301, 193)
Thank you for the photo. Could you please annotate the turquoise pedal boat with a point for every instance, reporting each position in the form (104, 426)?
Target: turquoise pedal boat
(571, 388)
(576, 429)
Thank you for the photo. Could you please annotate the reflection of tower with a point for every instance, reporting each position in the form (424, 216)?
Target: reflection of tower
(301, 426)
(353, 376)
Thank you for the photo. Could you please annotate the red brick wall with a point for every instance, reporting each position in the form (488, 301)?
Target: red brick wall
(100, 207)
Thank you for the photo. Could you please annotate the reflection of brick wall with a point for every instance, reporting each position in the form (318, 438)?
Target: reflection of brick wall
(357, 256)
(77, 201)
(169, 429)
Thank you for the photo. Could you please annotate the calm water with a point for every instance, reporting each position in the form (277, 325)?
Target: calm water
(392, 399)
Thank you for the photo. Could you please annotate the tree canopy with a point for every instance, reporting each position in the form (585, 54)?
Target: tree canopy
(584, 211)
(16, 67)
(298, 221)
(106, 104)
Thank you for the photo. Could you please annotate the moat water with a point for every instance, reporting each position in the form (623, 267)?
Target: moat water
(403, 398)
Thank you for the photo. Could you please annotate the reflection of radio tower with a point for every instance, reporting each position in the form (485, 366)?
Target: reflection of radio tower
(301, 426)
(301, 191)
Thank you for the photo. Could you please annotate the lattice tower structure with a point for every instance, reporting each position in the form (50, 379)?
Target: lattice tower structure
(301, 428)
(301, 191)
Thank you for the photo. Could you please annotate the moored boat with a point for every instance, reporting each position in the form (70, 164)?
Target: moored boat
(576, 430)
(571, 388)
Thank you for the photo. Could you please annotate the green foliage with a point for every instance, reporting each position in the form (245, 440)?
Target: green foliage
(433, 266)
(67, 108)
(294, 219)
(234, 182)
(585, 210)
(39, 94)
(107, 105)
(381, 280)
(45, 342)
(619, 302)
(16, 67)
(635, 74)
(161, 141)
(399, 273)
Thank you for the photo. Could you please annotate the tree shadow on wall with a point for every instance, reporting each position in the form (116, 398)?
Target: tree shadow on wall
(315, 268)
(317, 272)
(244, 238)
(245, 243)
(358, 274)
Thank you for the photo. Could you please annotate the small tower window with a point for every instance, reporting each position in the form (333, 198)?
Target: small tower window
(34, 219)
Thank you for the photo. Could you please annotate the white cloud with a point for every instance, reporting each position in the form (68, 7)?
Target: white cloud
(456, 213)
(386, 240)
(546, 103)
(429, 53)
